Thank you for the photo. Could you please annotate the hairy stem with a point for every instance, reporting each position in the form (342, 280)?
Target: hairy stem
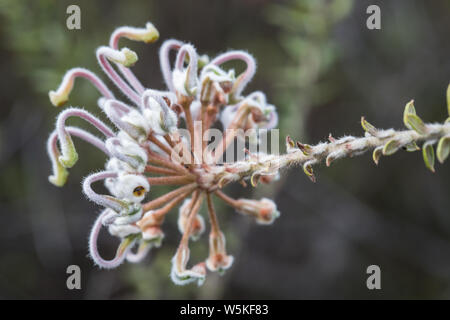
(329, 151)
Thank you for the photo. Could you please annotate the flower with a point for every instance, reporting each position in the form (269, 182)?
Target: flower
(264, 210)
(218, 259)
(146, 147)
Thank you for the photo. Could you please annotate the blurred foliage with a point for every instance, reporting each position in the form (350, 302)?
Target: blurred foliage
(304, 80)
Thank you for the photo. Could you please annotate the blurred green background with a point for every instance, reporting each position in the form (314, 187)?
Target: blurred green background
(322, 68)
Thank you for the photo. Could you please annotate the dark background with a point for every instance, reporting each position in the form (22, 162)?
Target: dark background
(322, 68)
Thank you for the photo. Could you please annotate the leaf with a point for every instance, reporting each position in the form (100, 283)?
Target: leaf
(307, 168)
(411, 147)
(428, 155)
(391, 147)
(254, 180)
(414, 122)
(305, 148)
(409, 109)
(289, 142)
(368, 127)
(376, 155)
(443, 149)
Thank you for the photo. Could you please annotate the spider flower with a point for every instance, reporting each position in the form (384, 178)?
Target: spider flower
(145, 147)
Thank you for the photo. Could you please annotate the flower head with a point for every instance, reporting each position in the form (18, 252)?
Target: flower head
(146, 147)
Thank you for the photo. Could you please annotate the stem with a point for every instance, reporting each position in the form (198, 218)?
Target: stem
(154, 169)
(159, 214)
(166, 69)
(230, 132)
(122, 251)
(215, 229)
(175, 180)
(196, 202)
(338, 148)
(167, 197)
(161, 145)
(102, 56)
(165, 162)
(189, 122)
(227, 199)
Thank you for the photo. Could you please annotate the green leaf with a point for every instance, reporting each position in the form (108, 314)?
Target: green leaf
(411, 147)
(368, 127)
(391, 147)
(414, 122)
(307, 168)
(376, 155)
(409, 109)
(428, 155)
(443, 149)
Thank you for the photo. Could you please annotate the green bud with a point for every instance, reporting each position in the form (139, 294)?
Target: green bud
(428, 155)
(376, 155)
(390, 147)
(414, 122)
(69, 154)
(308, 170)
(411, 147)
(368, 127)
(60, 174)
(443, 149)
(409, 109)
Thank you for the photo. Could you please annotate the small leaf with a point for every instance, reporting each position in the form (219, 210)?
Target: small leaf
(368, 127)
(289, 142)
(428, 155)
(390, 147)
(409, 109)
(376, 155)
(307, 168)
(411, 147)
(254, 180)
(443, 149)
(447, 120)
(306, 148)
(415, 123)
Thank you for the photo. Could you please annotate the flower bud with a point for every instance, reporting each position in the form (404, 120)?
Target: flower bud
(123, 230)
(198, 226)
(127, 150)
(218, 259)
(130, 187)
(153, 235)
(264, 210)
(160, 118)
(138, 123)
(180, 275)
(147, 35)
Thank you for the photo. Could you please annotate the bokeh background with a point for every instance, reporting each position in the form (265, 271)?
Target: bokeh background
(322, 68)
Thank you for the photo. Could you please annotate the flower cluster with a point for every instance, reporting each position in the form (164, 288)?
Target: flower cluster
(146, 147)
(149, 146)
